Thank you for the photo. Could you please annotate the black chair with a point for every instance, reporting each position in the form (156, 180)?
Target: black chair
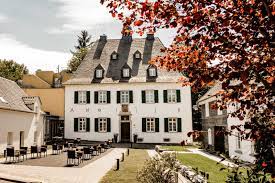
(56, 149)
(103, 148)
(10, 153)
(24, 152)
(96, 149)
(71, 157)
(35, 150)
(44, 150)
(87, 154)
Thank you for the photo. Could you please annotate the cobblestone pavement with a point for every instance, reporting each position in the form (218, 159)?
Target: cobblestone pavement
(91, 173)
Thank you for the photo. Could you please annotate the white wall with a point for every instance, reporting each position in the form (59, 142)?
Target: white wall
(137, 108)
(14, 121)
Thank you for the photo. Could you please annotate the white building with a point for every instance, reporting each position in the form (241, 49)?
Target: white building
(215, 121)
(21, 120)
(116, 91)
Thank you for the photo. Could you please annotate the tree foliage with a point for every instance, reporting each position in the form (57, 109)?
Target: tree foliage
(11, 70)
(229, 41)
(77, 58)
(83, 40)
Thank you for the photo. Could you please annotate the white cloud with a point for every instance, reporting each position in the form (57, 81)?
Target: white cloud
(79, 15)
(3, 18)
(31, 57)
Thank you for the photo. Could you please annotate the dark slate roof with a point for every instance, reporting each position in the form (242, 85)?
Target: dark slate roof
(11, 96)
(100, 56)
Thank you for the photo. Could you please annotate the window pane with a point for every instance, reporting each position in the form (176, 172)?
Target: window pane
(172, 96)
(124, 97)
(102, 97)
(82, 97)
(150, 98)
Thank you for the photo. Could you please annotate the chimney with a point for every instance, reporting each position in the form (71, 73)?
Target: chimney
(127, 33)
(103, 38)
(150, 36)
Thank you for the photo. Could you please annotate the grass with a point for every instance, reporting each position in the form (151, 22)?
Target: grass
(176, 148)
(206, 165)
(128, 169)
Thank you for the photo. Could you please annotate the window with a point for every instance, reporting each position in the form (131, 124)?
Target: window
(82, 97)
(137, 55)
(124, 97)
(102, 124)
(149, 96)
(82, 124)
(150, 124)
(102, 97)
(99, 73)
(114, 56)
(172, 124)
(152, 72)
(35, 136)
(238, 140)
(10, 138)
(172, 96)
(126, 73)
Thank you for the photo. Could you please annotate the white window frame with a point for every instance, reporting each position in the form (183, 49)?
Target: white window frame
(125, 97)
(114, 56)
(152, 72)
(150, 125)
(171, 96)
(172, 125)
(99, 73)
(126, 72)
(82, 97)
(149, 96)
(137, 55)
(102, 97)
(102, 125)
(82, 124)
(238, 141)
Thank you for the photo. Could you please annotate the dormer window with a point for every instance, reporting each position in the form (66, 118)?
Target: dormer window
(114, 56)
(126, 72)
(137, 55)
(152, 72)
(99, 73)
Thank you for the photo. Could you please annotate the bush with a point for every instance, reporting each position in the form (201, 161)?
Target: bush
(160, 169)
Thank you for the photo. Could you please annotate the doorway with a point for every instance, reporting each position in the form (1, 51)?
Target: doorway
(219, 139)
(125, 129)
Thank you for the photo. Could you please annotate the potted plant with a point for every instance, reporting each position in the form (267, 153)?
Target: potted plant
(135, 137)
(115, 137)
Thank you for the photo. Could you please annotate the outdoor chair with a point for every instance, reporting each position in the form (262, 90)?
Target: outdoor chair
(95, 149)
(35, 150)
(56, 149)
(44, 150)
(71, 157)
(24, 152)
(10, 153)
(87, 154)
(103, 147)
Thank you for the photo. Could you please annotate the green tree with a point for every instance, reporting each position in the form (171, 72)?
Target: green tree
(77, 58)
(11, 70)
(83, 41)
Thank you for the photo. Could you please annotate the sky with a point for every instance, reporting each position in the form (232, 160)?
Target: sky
(41, 33)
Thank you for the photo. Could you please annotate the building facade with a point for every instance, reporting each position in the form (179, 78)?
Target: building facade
(21, 117)
(116, 92)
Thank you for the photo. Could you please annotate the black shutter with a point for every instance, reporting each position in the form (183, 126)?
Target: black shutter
(87, 124)
(179, 124)
(118, 97)
(108, 97)
(96, 124)
(131, 96)
(165, 124)
(76, 124)
(156, 124)
(108, 124)
(88, 96)
(178, 96)
(96, 97)
(76, 97)
(156, 93)
(165, 96)
(143, 100)
(143, 124)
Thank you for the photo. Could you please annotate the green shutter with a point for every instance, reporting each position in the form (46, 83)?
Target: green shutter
(96, 97)
(88, 96)
(108, 97)
(179, 124)
(143, 96)
(156, 124)
(156, 93)
(131, 96)
(118, 97)
(108, 124)
(87, 124)
(165, 124)
(178, 96)
(143, 124)
(96, 124)
(165, 96)
(76, 124)
(76, 97)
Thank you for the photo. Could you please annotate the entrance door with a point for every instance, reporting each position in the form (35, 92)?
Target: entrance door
(21, 139)
(219, 139)
(125, 132)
